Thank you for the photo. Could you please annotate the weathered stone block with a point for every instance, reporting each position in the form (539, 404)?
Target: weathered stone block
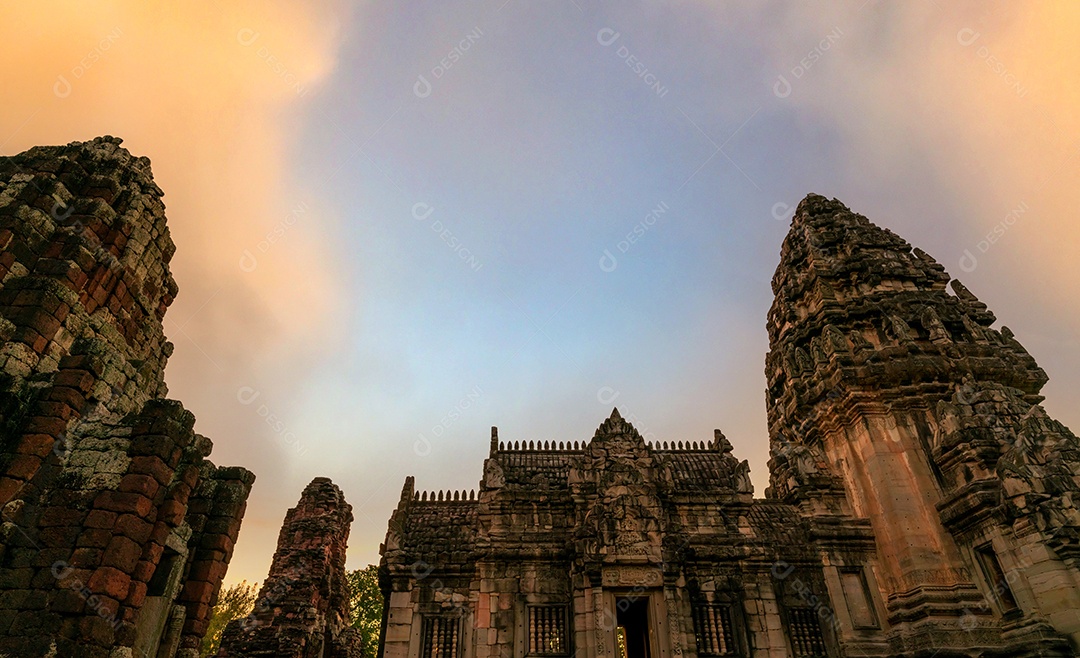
(134, 527)
(110, 582)
(122, 553)
(124, 503)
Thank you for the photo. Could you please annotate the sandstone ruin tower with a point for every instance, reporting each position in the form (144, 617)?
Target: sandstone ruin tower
(921, 504)
(116, 530)
(303, 606)
(908, 431)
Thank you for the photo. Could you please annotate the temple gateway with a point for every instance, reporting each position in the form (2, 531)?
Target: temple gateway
(921, 501)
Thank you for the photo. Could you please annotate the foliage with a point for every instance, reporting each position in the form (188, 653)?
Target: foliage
(233, 603)
(366, 603)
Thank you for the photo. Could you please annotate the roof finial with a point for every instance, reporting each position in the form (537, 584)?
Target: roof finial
(720, 442)
(409, 489)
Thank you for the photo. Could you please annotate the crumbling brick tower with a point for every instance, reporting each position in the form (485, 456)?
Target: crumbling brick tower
(116, 530)
(303, 607)
(892, 400)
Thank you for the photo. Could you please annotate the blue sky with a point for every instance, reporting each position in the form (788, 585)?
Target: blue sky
(539, 149)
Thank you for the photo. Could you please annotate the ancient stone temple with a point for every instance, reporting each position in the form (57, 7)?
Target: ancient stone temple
(303, 606)
(116, 528)
(922, 503)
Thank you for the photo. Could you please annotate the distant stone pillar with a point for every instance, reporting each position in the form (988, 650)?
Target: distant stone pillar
(303, 607)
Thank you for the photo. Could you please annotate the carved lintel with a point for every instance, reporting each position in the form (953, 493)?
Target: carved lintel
(633, 576)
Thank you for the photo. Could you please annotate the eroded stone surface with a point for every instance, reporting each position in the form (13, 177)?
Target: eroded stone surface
(116, 528)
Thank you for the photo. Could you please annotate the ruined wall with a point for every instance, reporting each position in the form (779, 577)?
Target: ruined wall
(303, 607)
(116, 528)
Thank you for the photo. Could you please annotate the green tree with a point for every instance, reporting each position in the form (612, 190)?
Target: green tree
(233, 603)
(366, 601)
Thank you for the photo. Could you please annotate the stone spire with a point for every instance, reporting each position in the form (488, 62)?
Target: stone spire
(873, 371)
(857, 309)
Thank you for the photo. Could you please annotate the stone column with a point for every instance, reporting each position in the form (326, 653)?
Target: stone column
(303, 607)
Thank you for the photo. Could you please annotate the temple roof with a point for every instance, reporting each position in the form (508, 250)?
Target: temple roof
(549, 478)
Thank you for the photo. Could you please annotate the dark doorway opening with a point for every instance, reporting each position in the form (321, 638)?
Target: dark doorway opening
(632, 634)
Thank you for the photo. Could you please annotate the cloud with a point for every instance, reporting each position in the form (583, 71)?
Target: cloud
(983, 96)
(212, 94)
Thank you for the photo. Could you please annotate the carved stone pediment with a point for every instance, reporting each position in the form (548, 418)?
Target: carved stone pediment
(616, 479)
(616, 437)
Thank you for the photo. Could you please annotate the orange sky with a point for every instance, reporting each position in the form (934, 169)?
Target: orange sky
(213, 94)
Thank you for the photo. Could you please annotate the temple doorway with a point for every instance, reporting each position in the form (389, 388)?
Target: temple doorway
(632, 631)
